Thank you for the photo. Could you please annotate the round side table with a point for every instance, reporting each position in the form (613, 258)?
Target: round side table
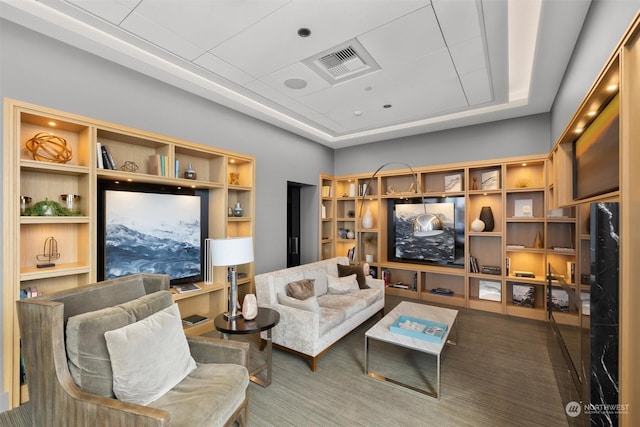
(264, 321)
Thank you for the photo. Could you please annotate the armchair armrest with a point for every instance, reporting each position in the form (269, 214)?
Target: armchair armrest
(214, 350)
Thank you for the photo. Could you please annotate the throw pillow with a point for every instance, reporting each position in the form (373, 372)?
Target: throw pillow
(342, 285)
(348, 270)
(89, 362)
(149, 357)
(319, 276)
(309, 304)
(301, 289)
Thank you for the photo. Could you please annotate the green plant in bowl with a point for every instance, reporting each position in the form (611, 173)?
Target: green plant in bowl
(48, 207)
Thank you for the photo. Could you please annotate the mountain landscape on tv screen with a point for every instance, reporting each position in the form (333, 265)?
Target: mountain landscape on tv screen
(169, 251)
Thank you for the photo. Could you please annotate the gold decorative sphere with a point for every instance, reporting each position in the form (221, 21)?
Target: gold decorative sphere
(47, 147)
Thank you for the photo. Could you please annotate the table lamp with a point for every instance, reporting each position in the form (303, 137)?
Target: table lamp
(232, 252)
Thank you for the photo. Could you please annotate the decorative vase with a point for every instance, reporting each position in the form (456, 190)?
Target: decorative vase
(477, 225)
(486, 216)
(190, 173)
(367, 218)
(249, 307)
(237, 211)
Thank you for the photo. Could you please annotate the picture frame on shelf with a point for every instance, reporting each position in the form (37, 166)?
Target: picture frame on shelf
(490, 180)
(523, 295)
(490, 290)
(523, 208)
(453, 183)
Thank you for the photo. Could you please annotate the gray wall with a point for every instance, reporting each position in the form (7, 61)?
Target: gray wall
(43, 71)
(506, 138)
(603, 28)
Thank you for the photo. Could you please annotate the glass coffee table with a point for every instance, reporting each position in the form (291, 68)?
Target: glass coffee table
(381, 331)
(264, 321)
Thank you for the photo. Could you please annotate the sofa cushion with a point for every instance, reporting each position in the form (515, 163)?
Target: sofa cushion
(309, 304)
(89, 362)
(348, 270)
(149, 357)
(370, 295)
(342, 285)
(330, 318)
(350, 304)
(203, 397)
(319, 276)
(301, 289)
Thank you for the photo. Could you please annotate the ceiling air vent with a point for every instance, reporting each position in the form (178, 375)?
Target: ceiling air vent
(344, 62)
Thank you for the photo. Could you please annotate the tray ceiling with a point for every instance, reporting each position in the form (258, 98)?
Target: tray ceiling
(342, 72)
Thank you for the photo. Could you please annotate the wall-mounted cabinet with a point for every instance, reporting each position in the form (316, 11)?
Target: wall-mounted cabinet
(138, 156)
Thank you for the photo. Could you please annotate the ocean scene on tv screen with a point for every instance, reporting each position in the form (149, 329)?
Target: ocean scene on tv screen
(439, 248)
(152, 233)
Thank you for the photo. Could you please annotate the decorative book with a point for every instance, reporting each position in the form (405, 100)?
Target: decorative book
(188, 287)
(419, 328)
(194, 319)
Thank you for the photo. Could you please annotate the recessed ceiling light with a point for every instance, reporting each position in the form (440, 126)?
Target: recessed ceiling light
(524, 164)
(592, 113)
(52, 123)
(357, 113)
(611, 88)
(304, 32)
(295, 83)
(579, 130)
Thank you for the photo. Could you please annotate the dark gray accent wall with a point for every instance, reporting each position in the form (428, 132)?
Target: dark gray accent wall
(604, 26)
(505, 138)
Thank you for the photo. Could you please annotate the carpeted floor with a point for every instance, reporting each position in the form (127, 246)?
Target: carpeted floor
(499, 374)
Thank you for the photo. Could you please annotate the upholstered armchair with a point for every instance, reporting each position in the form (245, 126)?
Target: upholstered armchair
(72, 340)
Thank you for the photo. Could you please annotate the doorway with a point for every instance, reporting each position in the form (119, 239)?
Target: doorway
(293, 224)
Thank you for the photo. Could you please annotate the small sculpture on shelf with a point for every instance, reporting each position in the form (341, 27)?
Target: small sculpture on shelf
(129, 166)
(234, 178)
(49, 253)
(47, 147)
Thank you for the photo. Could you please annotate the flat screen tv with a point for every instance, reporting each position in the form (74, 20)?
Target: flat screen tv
(446, 249)
(150, 228)
(596, 162)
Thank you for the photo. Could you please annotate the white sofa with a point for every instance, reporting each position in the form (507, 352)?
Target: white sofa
(309, 333)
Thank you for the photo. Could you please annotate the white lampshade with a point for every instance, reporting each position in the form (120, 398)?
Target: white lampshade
(231, 251)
